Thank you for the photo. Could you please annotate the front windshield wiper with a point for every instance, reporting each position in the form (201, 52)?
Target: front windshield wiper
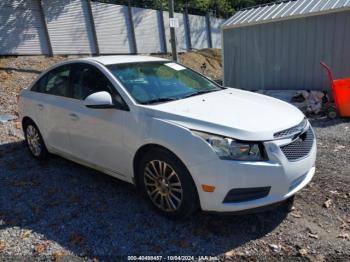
(168, 99)
(201, 92)
(159, 100)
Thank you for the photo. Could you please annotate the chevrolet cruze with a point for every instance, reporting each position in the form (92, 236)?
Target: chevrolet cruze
(183, 140)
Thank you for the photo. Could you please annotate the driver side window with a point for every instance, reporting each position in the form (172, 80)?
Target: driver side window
(87, 80)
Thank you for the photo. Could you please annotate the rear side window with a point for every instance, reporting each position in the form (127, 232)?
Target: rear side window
(87, 80)
(55, 82)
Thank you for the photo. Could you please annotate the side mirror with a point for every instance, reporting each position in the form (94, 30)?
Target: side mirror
(99, 100)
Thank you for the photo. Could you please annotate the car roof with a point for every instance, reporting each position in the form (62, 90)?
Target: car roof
(122, 59)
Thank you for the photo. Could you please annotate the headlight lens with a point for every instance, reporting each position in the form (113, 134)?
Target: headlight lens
(230, 149)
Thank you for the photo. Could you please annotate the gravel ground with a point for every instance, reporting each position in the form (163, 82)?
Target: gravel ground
(59, 210)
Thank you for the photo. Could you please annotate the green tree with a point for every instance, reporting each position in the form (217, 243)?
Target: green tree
(222, 8)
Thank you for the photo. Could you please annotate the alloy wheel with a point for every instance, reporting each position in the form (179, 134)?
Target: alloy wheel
(33, 139)
(163, 185)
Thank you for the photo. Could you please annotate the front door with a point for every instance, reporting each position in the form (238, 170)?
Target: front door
(96, 135)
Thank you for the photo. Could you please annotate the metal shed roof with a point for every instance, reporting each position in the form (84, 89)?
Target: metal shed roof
(285, 10)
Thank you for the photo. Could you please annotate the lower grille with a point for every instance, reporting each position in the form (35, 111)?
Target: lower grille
(299, 148)
(246, 194)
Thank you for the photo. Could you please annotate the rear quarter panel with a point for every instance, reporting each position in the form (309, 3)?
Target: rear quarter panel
(26, 105)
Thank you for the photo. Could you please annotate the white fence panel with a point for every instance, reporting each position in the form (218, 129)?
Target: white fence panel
(112, 28)
(215, 24)
(21, 28)
(198, 30)
(69, 26)
(147, 30)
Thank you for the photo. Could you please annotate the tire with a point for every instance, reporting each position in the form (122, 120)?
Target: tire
(289, 204)
(332, 114)
(34, 140)
(164, 192)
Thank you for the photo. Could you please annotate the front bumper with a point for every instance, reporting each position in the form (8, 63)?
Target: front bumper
(284, 177)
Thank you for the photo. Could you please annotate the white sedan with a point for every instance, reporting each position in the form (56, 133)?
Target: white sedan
(184, 141)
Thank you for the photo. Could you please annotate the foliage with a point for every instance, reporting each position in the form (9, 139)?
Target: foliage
(220, 8)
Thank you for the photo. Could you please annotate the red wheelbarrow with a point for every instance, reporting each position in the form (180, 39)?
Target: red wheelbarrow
(341, 94)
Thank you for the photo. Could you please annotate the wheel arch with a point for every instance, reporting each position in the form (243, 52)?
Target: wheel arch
(26, 120)
(148, 147)
(138, 156)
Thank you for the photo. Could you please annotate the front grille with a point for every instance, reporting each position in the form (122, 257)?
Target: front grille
(291, 131)
(299, 148)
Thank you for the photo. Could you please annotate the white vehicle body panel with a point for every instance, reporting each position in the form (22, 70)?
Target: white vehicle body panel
(221, 113)
(108, 139)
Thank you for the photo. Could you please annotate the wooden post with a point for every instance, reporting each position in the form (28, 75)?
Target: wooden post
(172, 31)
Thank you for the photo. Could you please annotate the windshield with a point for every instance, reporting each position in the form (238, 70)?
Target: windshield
(157, 82)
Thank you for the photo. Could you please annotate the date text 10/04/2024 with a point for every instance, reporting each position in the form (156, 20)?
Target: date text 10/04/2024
(173, 258)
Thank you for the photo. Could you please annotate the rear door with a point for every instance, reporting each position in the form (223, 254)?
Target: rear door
(96, 135)
(52, 107)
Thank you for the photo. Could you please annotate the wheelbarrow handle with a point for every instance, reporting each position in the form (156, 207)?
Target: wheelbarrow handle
(328, 70)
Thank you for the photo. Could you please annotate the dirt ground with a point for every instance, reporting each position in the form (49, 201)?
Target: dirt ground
(59, 209)
(206, 61)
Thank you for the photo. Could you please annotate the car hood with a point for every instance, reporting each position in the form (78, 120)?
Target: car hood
(231, 112)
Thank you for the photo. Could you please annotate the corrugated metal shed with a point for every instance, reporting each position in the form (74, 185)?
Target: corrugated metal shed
(263, 51)
(21, 28)
(285, 10)
(112, 28)
(69, 27)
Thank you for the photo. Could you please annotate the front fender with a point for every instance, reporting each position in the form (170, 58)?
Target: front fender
(189, 148)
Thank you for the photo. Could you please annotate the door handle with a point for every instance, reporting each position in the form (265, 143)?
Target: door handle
(40, 106)
(74, 117)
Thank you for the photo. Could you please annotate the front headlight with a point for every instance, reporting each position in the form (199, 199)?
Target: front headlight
(230, 149)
